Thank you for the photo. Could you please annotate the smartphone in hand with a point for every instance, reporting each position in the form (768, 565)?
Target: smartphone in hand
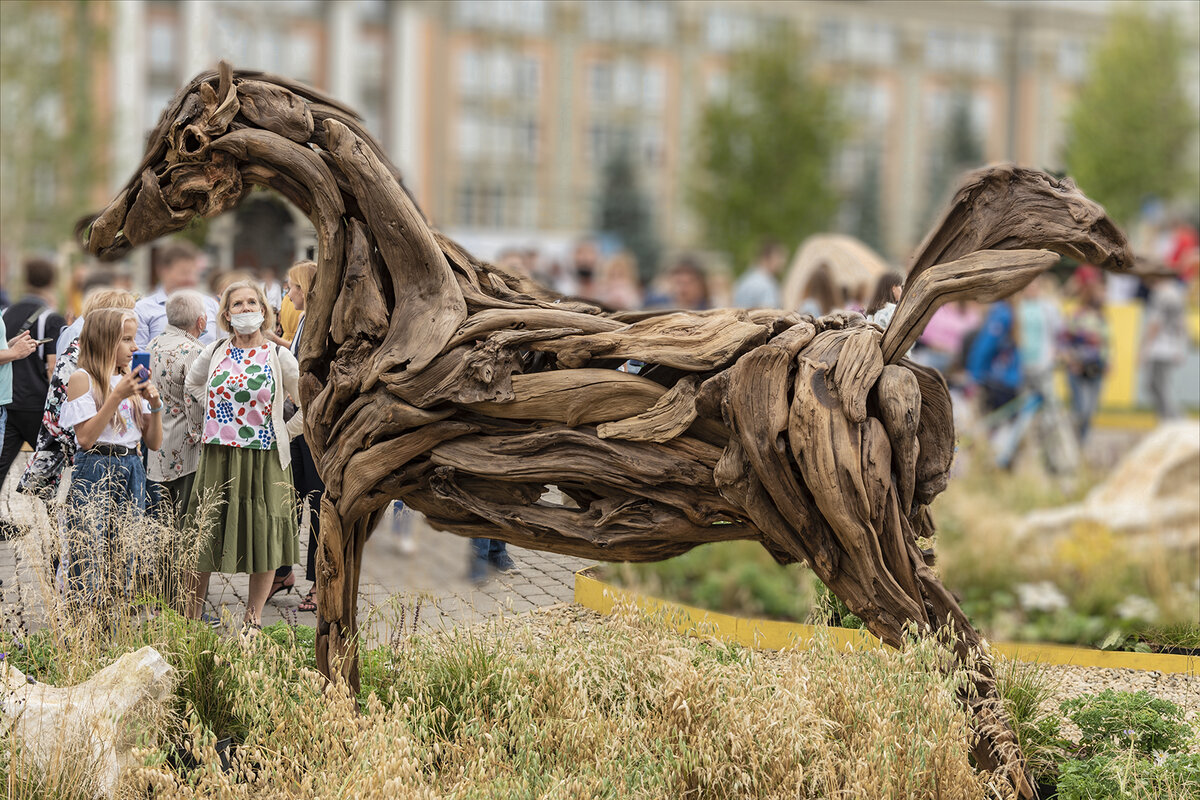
(140, 364)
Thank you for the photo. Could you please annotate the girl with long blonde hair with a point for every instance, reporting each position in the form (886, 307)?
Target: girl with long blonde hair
(112, 411)
(55, 450)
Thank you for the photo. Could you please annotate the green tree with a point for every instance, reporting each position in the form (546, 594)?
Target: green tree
(50, 154)
(1130, 131)
(866, 202)
(625, 213)
(960, 150)
(763, 154)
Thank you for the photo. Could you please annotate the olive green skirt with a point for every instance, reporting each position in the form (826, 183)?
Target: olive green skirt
(250, 520)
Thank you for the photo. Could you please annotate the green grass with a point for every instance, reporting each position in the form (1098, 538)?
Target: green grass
(733, 577)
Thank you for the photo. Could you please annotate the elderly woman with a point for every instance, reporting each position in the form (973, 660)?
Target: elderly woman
(171, 469)
(241, 383)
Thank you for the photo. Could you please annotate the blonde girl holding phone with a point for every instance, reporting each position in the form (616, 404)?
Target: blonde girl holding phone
(112, 411)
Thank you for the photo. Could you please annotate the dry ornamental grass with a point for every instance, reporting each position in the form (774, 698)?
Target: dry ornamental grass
(520, 708)
(562, 704)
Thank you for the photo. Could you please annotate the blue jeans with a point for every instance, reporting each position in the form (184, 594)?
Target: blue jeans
(485, 549)
(1085, 398)
(104, 490)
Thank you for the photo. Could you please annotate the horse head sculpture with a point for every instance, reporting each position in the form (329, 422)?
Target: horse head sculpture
(432, 377)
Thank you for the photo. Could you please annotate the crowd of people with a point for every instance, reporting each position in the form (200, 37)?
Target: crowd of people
(203, 430)
(186, 400)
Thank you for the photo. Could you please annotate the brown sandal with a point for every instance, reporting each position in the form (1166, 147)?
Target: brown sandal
(309, 603)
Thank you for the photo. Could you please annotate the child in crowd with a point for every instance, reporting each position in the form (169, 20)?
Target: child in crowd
(112, 409)
(887, 295)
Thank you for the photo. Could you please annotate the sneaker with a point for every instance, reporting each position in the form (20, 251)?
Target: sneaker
(503, 563)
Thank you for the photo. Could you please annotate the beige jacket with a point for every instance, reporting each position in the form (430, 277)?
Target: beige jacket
(283, 365)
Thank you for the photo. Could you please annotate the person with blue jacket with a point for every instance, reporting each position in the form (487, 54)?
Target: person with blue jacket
(994, 362)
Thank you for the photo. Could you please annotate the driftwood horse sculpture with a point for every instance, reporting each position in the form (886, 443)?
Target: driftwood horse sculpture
(430, 376)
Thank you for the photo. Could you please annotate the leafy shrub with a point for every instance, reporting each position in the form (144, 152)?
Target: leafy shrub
(1124, 776)
(1135, 721)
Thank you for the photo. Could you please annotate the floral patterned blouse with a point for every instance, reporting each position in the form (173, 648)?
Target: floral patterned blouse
(55, 449)
(239, 400)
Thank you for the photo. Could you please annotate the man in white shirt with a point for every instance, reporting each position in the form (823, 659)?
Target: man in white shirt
(759, 287)
(178, 270)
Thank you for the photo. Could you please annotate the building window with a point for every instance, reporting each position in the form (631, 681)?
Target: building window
(600, 83)
(470, 136)
(629, 20)
(470, 72)
(157, 99)
(654, 87)
(870, 103)
(370, 59)
(857, 40)
(527, 210)
(48, 115)
(964, 51)
(371, 102)
(501, 73)
(464, 204)
(494, 202)
(728, 30)
(653, 150)
(1072, 59)
(832, 39)
(529, 77)
(161, 36)
(528, 139)
(300, 54)
(524, 16)
(627, 84)
(597, 142)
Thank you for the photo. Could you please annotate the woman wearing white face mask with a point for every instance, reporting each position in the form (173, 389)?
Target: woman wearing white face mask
(241, 383)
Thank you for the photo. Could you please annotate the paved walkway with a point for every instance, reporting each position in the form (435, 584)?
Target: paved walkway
(425, 579)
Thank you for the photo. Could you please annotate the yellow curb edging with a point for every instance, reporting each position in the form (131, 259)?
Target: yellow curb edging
(774, 635)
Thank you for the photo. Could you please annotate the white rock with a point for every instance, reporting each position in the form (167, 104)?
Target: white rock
(1153, 492)
(95, 720)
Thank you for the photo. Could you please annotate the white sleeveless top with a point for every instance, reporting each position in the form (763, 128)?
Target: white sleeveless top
(83, 408)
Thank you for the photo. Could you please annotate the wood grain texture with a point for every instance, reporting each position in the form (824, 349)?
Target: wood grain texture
(432, 376)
